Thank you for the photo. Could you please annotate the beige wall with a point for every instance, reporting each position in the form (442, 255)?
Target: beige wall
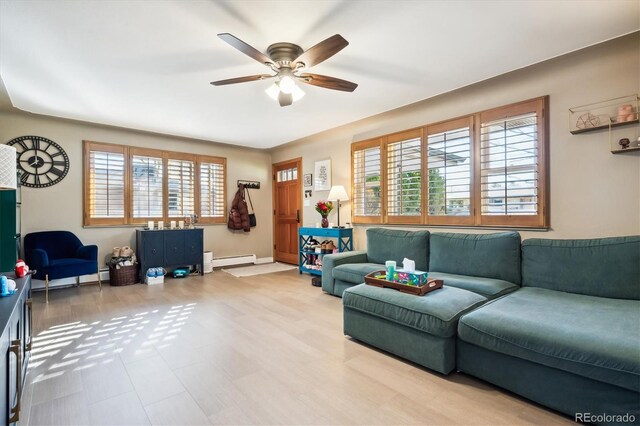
(593, 192)
(60, 206)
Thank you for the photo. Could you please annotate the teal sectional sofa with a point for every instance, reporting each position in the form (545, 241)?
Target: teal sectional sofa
(556, 321)
(570, 338)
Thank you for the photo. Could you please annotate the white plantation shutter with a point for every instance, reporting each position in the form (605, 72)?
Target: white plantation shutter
(147, 181)
(449, 165)
(489, 168)
(404, 177)
(181, 187)
(367, 181)
(212, 193)
(104, 192)
(509, 163)
(128, 185)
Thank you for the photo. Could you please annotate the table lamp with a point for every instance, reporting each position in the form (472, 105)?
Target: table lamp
(8, 172)
(338, 193)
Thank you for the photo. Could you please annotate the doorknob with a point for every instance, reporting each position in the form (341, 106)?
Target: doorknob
(298, 215)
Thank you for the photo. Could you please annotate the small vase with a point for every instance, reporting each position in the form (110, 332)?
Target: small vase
(325, 222)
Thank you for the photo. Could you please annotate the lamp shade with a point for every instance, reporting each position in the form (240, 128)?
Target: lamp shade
(8, 172)
(338, 193)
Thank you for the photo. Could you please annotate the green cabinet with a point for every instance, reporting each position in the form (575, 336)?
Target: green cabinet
(9, 230)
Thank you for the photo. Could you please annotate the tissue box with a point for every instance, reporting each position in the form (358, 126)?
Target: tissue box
(416, 278)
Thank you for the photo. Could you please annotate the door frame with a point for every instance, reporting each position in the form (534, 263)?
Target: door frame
(298, 162)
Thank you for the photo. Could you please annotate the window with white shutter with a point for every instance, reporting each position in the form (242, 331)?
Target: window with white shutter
(449, 169)
(404, 177)
(486, 169)
(128, 186)
(104, 192)
(180, 187)
(147, 173)
(212, 193)
(512, 165)
(367, 181)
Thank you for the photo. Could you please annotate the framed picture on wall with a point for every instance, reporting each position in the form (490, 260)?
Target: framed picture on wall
(323, 175)
(308, 180)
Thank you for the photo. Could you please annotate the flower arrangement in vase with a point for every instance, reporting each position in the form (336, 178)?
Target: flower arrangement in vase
(324, 208)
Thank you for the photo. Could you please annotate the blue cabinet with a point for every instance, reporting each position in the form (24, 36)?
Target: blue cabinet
(15, 347)
(169, 248)
(308, 260)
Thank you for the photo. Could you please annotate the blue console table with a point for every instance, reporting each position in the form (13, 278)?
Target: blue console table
(344, 237)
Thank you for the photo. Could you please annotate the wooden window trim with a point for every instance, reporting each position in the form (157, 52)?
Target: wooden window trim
(145, 152)
(87, 147)
(475, 219)
(128, 153)
(540, 106)
(212, 160)
(440, 127)
(416, 133)
(359, 146)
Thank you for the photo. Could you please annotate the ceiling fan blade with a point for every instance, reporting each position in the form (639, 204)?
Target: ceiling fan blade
(242, 79)
(246, 49)
(285, 99)
(321, 51)
(328, 82)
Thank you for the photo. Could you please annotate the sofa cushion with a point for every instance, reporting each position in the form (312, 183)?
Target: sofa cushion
(489, 255)
(589, 336)
(604, 267)
(354, 272)
(394, 244)
(487, 287)
(435, 313)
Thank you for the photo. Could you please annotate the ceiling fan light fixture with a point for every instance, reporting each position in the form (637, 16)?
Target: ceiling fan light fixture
(297, 93)
(287, 85)
(273, 91)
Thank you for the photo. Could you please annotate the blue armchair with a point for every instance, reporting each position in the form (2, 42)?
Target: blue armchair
(59, 254)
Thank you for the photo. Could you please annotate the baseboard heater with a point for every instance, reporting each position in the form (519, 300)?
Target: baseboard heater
(221, 262)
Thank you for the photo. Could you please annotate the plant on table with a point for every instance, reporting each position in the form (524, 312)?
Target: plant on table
(324, 208)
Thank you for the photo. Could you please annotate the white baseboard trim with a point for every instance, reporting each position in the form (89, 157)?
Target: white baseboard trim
(246, 259)
(263, 260)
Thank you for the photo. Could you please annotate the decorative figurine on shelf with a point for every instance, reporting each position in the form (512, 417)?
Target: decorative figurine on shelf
(324, 208)
(21, 268)
(588, 120)
(624, 143)
(625, 113)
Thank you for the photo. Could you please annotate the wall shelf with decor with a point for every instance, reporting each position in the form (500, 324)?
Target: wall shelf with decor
(620, 116)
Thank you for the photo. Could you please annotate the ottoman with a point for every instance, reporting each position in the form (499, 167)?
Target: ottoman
(421, 329)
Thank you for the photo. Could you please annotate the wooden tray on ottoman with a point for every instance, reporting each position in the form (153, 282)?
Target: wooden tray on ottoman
(431, 284)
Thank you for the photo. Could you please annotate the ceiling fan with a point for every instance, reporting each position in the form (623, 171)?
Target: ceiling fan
(287, 61)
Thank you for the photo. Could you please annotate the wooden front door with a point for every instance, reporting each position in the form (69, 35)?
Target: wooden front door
(287, 209)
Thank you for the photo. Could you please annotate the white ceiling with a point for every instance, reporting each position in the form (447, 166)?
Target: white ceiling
(147, 64)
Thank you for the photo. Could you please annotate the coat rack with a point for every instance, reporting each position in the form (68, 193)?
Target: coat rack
(249, 184)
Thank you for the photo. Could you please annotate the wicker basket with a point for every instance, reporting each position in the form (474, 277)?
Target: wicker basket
(126, 275)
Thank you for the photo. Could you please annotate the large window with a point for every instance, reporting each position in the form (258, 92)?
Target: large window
(449, 171)
(513, 165)
(128, 186)
(485, 169)
(367, 181)
(147, 180)
(404, 177)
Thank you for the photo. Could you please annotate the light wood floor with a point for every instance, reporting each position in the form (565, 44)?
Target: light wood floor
(224, 350)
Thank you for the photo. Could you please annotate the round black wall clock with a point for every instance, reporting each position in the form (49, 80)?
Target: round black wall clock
(42, 161)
